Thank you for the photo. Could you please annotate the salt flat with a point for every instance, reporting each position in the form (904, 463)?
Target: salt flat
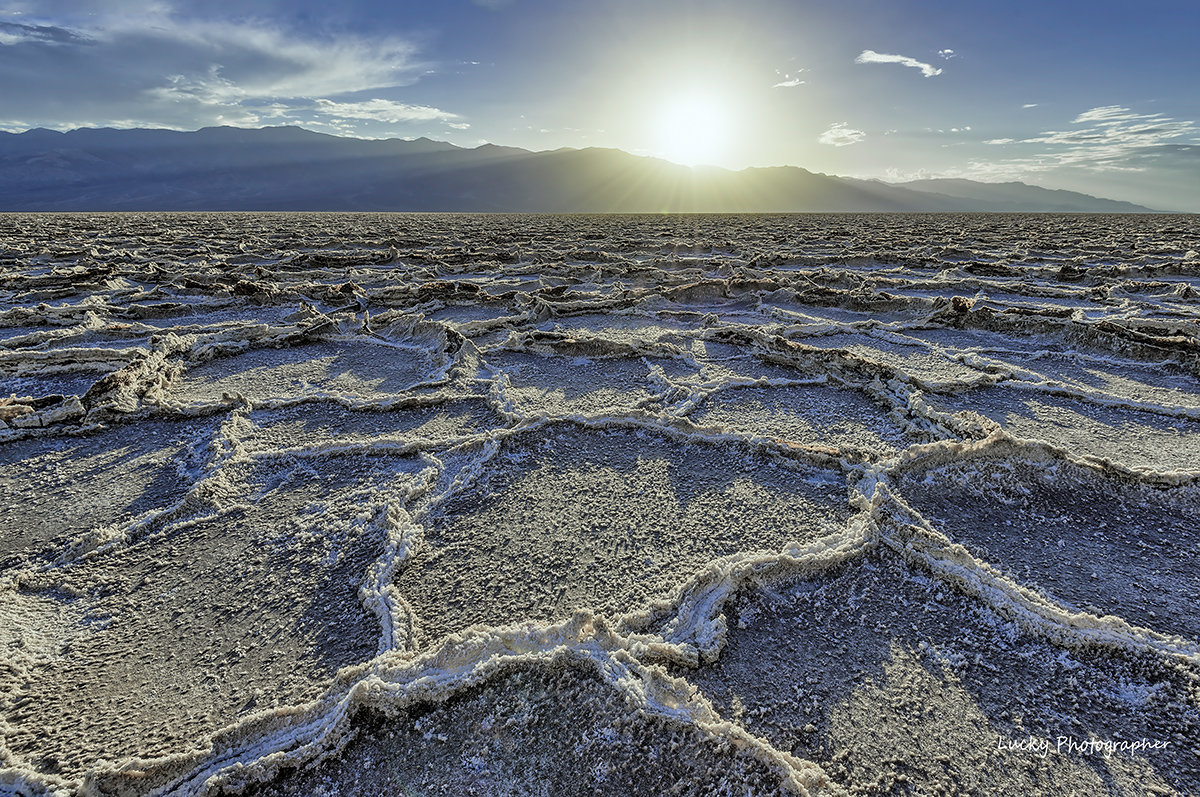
(485, 504)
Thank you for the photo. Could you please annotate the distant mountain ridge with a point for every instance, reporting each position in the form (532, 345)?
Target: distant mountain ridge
(289, 168)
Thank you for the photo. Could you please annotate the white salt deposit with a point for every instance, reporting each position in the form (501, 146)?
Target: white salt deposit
(406, 504)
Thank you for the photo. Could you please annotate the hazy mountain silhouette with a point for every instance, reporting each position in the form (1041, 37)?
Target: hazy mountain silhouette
(288, 168)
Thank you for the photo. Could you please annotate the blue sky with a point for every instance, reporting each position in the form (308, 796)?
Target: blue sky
(1096, 96)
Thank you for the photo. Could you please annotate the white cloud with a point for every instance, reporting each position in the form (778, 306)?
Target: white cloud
(840, 134)
(789, 79)
(12, 33)
(1109, 134)
(894, 175)
(458, 125)
(242, 61)
(947, 54)
(1109, 138)
(1111, 115)
(872, 57)
(382, 111)
(1030, 105)
(143, 62)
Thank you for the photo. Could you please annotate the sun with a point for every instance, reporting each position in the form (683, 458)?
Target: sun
(693, 128)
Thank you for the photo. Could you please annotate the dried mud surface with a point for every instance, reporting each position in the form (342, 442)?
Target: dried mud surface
(365, 504)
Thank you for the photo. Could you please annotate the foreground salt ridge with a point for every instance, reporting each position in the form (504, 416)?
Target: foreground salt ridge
(627, 651)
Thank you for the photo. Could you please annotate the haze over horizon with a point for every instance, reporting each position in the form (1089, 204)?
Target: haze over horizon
(1101, 102)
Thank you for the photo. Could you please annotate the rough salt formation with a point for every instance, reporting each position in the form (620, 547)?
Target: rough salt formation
(531, 731)
(407, 504)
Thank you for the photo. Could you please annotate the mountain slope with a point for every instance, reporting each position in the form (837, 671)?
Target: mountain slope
(1013, 195)
(288, 168)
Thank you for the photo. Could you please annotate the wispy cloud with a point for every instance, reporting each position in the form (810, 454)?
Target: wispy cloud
(1106, 140)
(789, 79)
(841, 134)
(15, 33)
(1112, 115)
(1030, 105)
(946, 54)
(244, 61)
(155, 68)
(872, 57)
(382, 111)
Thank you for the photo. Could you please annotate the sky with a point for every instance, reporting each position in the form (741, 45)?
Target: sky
(1100, 96)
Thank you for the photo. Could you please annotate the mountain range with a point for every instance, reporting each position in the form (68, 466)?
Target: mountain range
(290, 168)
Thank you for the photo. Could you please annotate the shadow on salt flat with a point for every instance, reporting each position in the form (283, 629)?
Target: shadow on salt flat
(464, 315)
(208, 620)
(807, 314)
(559, 385)
(916, 361)
(604, 520)
(535, 731)
(122, 342)
(721, 361)
(983, 340)
(1096, 543)
(1162, 383)
(629, 329)
(56, 488)
(886, 676)
(808, 415)
(361, 369)
(11, 336)
(313, 424)
(53, 384)
(180, 313)
(1135, 438)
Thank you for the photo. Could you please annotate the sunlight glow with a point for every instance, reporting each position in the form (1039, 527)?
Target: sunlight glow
(693, 128)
